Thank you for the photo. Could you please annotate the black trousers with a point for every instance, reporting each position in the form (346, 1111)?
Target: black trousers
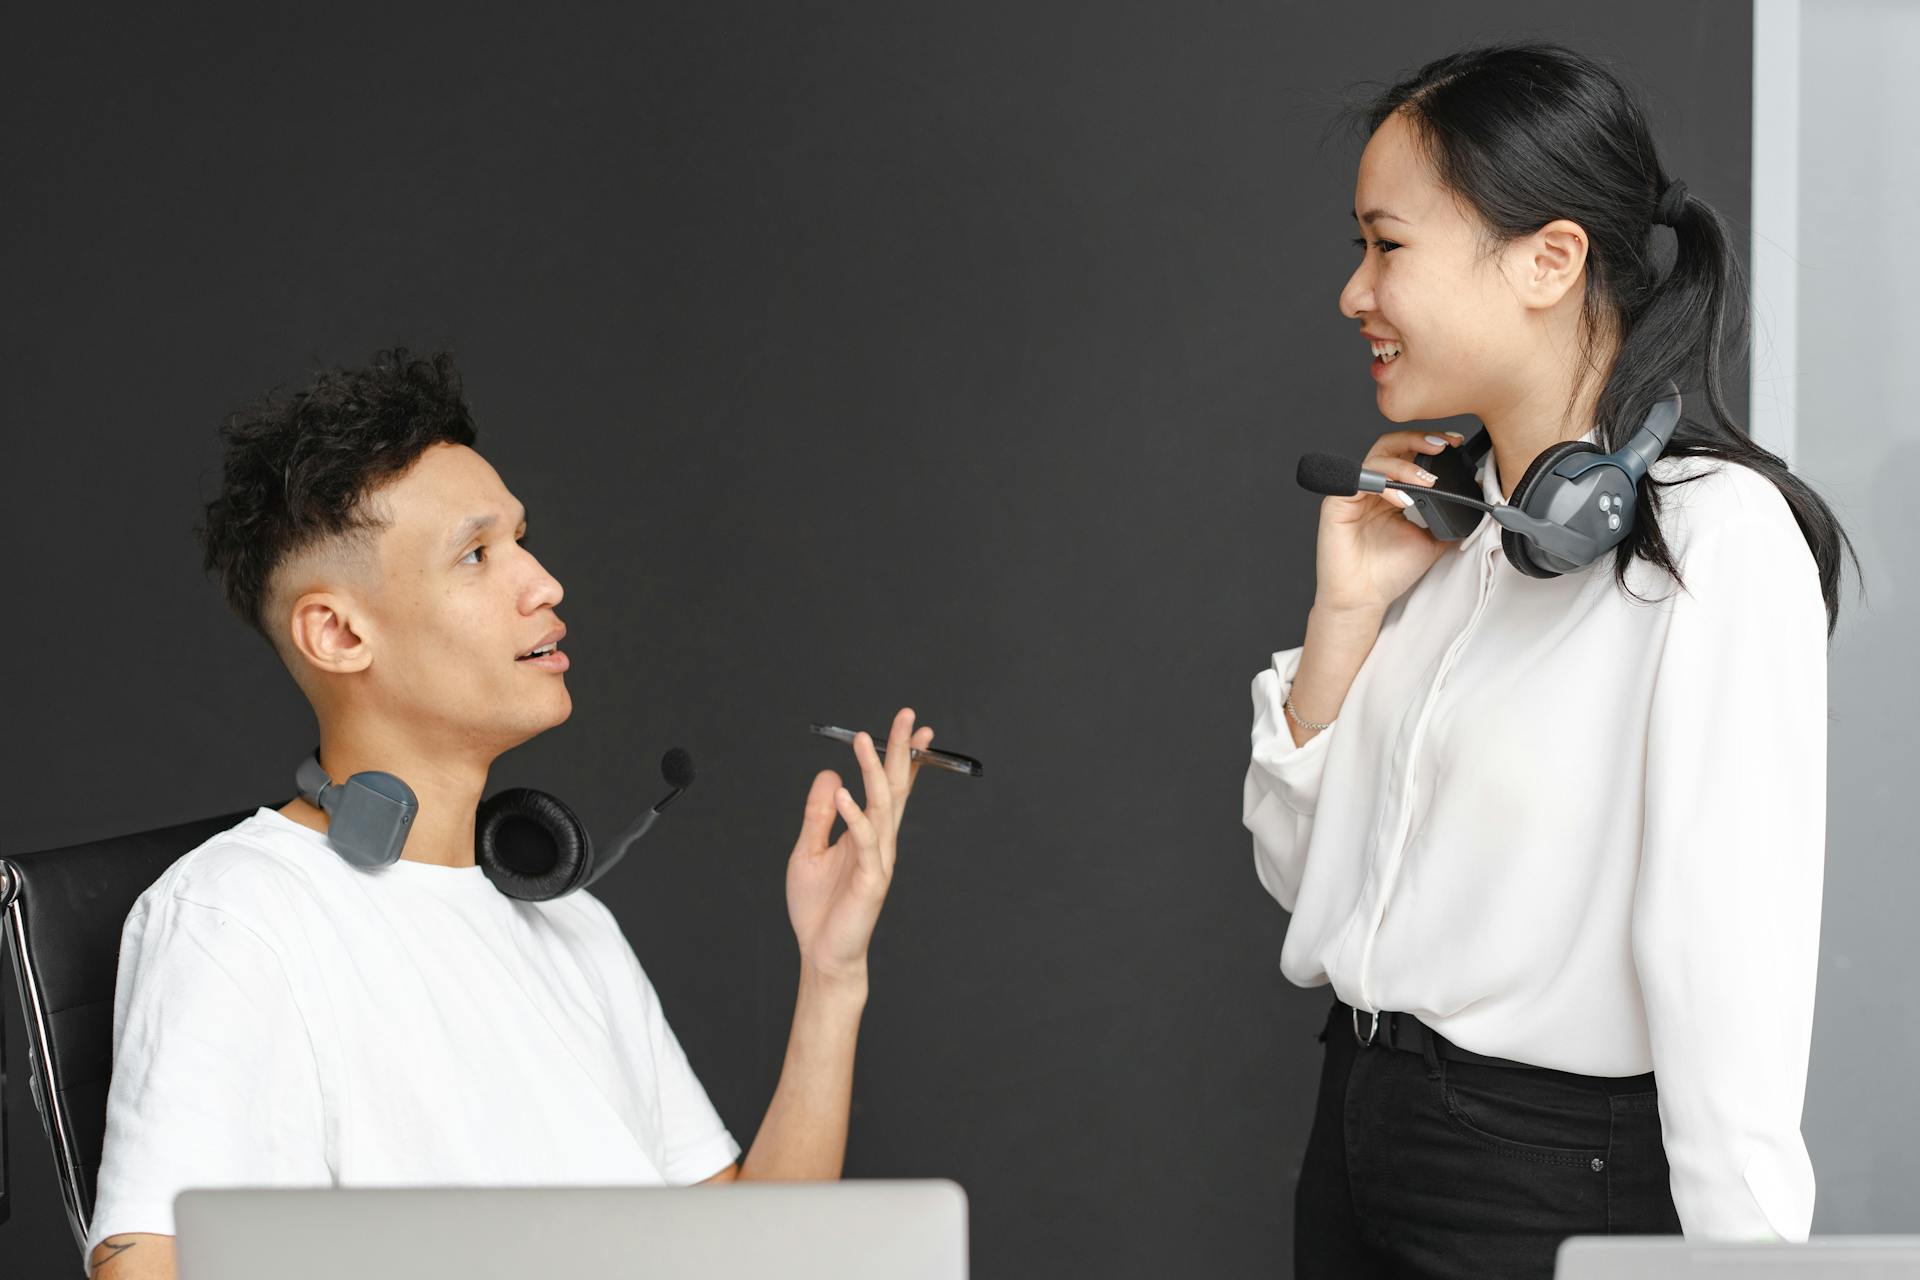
(1422, 1167)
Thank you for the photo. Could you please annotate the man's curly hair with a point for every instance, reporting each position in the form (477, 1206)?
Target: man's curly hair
(299, 470)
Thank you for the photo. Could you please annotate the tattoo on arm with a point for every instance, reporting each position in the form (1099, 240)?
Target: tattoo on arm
(107, 1251)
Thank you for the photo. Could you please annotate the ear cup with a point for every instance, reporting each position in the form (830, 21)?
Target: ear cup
(531, 845)
(1518, 549)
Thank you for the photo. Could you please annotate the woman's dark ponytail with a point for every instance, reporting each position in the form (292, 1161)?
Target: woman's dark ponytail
(1528, 134)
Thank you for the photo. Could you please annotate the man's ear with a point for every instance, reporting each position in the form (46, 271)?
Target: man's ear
(326, 632)
(1549, 262)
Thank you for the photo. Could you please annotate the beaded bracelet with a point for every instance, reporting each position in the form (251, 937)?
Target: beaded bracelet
(1295, 716)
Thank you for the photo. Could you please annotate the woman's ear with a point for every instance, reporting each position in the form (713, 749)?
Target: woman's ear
(326, 632)
(1550, 262)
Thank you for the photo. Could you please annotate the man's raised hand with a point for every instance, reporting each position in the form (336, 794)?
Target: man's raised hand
(834, 891)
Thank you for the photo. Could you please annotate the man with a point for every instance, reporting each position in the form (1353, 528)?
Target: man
(285, 1018)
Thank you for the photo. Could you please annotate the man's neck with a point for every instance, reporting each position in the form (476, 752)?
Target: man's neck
(447, 786)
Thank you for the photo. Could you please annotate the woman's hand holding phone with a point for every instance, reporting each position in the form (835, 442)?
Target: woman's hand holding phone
(1369, 553)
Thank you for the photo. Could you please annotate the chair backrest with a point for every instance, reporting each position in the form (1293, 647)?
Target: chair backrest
(63, 910)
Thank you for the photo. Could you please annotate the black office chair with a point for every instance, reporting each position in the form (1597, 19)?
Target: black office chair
(63, 913)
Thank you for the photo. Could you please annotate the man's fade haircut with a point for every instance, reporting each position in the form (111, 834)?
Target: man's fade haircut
(298, 470)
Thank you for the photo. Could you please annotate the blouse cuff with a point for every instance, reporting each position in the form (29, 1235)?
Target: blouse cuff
(1293, 770)
(1782, 1189)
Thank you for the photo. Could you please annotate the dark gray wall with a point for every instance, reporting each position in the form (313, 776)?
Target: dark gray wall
(843, 357)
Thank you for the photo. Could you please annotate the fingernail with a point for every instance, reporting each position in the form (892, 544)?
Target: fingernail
(1404, 499)
(1426, 477)
(1456, 435)
(1437, 440)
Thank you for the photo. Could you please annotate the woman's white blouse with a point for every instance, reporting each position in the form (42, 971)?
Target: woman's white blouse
(1586, 833)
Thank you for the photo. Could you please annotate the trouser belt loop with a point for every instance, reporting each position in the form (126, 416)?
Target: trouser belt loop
(1430, 1042)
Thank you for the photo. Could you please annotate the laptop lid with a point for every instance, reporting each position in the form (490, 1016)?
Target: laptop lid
(1671, 1258)
(878, 1230)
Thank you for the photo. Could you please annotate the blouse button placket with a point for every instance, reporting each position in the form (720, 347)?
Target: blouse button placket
(1488, 574)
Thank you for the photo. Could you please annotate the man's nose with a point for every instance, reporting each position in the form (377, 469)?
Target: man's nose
(544, 591)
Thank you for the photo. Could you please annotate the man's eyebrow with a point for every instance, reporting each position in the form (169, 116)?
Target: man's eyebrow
(474, 525)
(1380, 215)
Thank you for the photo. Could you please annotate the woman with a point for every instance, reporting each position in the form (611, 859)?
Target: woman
(1555, 842)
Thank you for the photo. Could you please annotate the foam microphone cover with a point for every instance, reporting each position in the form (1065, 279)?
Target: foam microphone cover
(677, 768)
(1326, 473)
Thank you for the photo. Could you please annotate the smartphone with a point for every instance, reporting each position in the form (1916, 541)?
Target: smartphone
(1453, 470)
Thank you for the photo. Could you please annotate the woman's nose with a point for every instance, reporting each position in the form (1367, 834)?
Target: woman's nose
(1357, 297)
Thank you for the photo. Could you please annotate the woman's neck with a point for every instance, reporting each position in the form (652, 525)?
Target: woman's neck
(1535, 417)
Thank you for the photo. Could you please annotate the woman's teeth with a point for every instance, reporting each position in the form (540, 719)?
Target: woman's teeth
(541, 652)
(1386, 352)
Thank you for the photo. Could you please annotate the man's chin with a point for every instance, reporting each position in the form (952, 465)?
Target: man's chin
(558, 715)
(538, 722)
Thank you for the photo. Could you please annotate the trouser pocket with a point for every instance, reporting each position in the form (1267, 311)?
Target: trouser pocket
(1639, 1180)
(1544, 1117)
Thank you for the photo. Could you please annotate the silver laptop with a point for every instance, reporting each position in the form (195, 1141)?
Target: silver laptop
(908, 1230)
(1671, 1258)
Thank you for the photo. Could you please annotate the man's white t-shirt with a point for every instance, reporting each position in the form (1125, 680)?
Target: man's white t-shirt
(285, 1019)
